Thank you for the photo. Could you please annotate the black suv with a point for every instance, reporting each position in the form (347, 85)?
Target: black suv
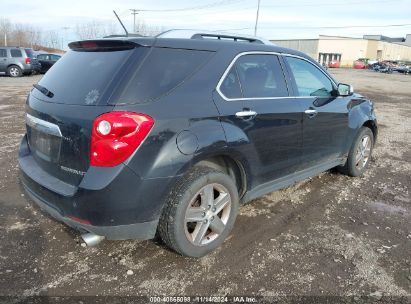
(129, 138)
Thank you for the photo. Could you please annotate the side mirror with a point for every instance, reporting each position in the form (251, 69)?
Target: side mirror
(345, 89)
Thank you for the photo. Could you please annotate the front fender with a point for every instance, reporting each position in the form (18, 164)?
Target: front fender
(360, 112)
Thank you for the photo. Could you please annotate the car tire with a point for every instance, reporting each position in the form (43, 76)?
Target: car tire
(360, 153)
(14, 71)
(200, 212)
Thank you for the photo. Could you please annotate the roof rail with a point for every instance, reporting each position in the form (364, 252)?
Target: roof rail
(123, 35)
(200, 34)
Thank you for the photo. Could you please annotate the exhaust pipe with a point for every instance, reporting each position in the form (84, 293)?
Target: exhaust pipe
(92, 239)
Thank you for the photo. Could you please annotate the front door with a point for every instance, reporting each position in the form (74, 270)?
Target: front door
(325, 116)
(260, 119)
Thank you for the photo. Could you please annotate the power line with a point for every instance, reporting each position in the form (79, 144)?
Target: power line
(355, 26)
(214, 11)
(320, 27)
(198, 7)
(326, 4)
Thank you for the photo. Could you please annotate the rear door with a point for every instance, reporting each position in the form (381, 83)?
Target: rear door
(261, 121)
(45, 62)
(3, 60)
(16, 57)
(325, 118)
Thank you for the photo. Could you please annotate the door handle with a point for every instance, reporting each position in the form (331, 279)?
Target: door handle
(311, 112)
(247, 113)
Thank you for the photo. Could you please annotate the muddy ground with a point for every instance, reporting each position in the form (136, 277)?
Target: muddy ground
(330, 235)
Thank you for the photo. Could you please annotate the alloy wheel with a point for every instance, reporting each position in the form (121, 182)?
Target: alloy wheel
(363, 152)
(14, 72)
(207, 214)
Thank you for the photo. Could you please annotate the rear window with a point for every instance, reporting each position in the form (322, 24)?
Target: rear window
(29, 53)
(160, 72)
(82, 78)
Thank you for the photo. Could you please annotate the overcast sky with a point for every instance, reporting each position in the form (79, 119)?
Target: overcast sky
(278, 19)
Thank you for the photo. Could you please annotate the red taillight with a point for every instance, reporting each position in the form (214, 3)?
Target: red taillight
(28, 60)
(116, 135)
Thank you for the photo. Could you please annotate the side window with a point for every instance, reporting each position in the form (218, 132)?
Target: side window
(55, 57)
(163, 70)
(15, 53)
(230, 87)
(261, 76)
(310, 80)
(41, 57)
(3, 53)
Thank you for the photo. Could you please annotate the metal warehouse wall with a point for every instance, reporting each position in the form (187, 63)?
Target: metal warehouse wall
(395, 51)
(350, 48)
(308, 46)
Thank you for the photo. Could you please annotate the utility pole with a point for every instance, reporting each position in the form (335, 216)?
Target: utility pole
(256, 18)
(134, 12)
(31, 38)
(5, 39)
(64, 38)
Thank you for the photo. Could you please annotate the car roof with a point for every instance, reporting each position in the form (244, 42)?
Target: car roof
(210, 45)
(15, 47)
(48, 54)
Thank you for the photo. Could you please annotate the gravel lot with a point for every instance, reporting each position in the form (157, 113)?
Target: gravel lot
(328, 236)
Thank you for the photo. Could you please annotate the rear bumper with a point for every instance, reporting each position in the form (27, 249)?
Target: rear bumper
(31, 67)
(138, 231)
(113, 202)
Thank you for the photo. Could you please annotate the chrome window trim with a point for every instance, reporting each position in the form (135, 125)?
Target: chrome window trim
(43, 126)
(263, 98)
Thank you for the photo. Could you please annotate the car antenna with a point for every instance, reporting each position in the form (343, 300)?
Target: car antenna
(119, 20)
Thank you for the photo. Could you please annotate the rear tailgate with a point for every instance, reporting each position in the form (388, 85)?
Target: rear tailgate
(59, 119)
(58, 137)
(30, 54)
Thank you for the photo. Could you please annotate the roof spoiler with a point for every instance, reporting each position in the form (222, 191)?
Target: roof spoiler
(108, 45)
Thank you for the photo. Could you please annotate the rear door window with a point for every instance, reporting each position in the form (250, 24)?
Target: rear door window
(82, 78)
(15, 53)
(261, 76)
(3, 53)
(231, 87)
(161, 71)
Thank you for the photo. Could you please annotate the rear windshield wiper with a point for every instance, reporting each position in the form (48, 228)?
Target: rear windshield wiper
(43, 90)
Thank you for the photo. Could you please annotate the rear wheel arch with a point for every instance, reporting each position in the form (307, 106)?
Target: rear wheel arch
(15, 64)
(229, 166)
